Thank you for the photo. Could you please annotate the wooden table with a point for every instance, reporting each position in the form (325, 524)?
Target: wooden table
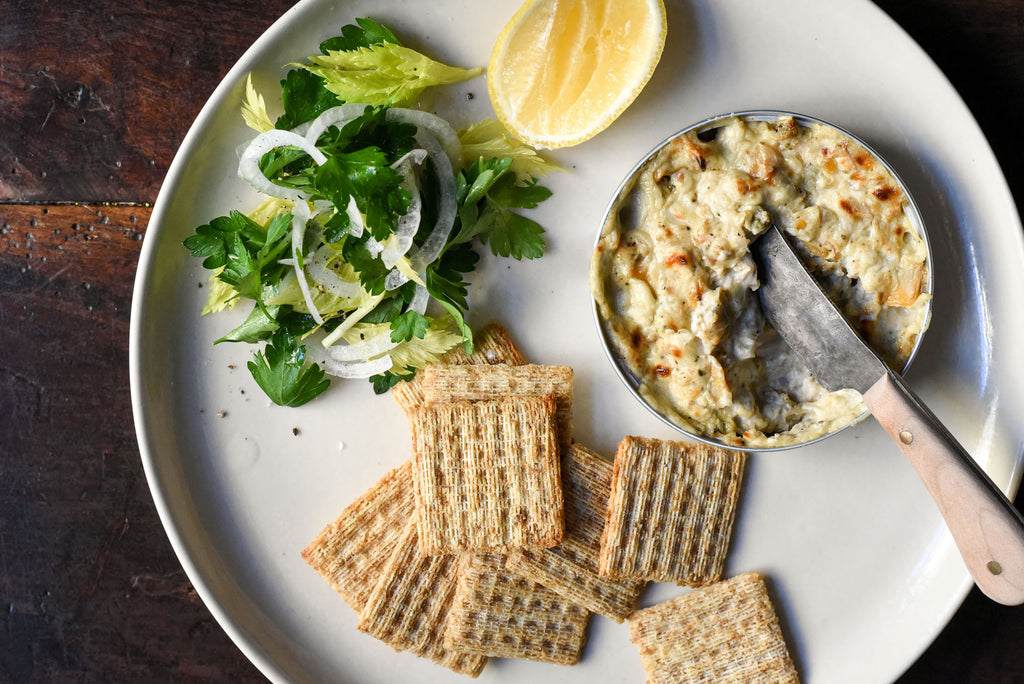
(95, 97)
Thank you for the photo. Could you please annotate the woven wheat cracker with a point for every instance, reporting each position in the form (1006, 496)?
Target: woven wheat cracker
(491, 345)
(486, 475)
(348, 553)
(476, 382)
(499, 613)
(670, 514)
(409, 605)
(727, 632)
(571, 568)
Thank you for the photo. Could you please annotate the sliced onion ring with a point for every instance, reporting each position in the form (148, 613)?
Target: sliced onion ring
(358, 369)
(249, 164)
(364, 349)
(414, 157)
(447, 204)
(335, 116)
(374, 247)
(327, 278)
(420, 300)
(441, 129)
(355, 218)
(395, 279)
(409, 222)
(300, 217)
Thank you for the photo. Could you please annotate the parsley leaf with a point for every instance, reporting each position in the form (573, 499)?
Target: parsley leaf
(337, 227)
(211, 240)
(445, 281)
(241, 271)
(371, 270)
(365, 175)
(509, 193)
(207, 243)
(473, 183)
(390, 308)
(388, 379)
(409, 325)
(246, 251)
(285, 165)
(487, 193)
(370, 129)
(294, 322)
(446, 284)
(511, 234)
(386, 311)
(281, 371)
(304, 97)
(366, 33)
(278, 229)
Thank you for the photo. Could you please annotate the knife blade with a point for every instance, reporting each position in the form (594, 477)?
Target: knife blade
(987, 529)
(791, 297)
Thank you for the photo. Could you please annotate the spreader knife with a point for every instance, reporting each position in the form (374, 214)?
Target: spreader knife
(987, 529)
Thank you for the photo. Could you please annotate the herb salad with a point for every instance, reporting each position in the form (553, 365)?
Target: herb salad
(355, 263)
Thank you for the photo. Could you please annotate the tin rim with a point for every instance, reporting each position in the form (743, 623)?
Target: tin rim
(911, 209)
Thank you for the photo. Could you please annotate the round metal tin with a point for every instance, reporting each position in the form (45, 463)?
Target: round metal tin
(626, 186)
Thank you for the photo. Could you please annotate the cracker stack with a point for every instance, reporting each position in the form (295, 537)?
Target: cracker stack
(476, 382)
(670, 513)
(409, 606)
(486, 475)
(487, 441)
(571, 569)
(727, 632)
(370, 556)
(491, 345)
(496, 612)
(501, 535)
(485, 466)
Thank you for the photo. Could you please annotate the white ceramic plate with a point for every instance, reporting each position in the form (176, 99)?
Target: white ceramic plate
(863, 573)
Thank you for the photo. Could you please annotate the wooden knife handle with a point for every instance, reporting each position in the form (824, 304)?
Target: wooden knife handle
(986, 527)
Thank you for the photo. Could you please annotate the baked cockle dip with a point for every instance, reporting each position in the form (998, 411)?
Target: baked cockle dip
(676, 287)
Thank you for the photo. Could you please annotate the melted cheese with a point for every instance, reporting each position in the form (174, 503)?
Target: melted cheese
(676, 286)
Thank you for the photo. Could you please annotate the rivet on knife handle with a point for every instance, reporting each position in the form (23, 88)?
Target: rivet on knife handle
(986, 527)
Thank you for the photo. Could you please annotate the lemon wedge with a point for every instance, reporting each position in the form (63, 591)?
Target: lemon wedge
(562, 71)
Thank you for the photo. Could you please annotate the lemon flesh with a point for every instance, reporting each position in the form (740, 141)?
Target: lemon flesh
(563, 70)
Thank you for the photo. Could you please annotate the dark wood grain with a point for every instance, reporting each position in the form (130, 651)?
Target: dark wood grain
(980, 48)
(90, 590)
(95, 97)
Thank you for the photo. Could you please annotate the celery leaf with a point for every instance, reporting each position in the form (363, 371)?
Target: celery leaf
(488, 138)
(382, 74)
